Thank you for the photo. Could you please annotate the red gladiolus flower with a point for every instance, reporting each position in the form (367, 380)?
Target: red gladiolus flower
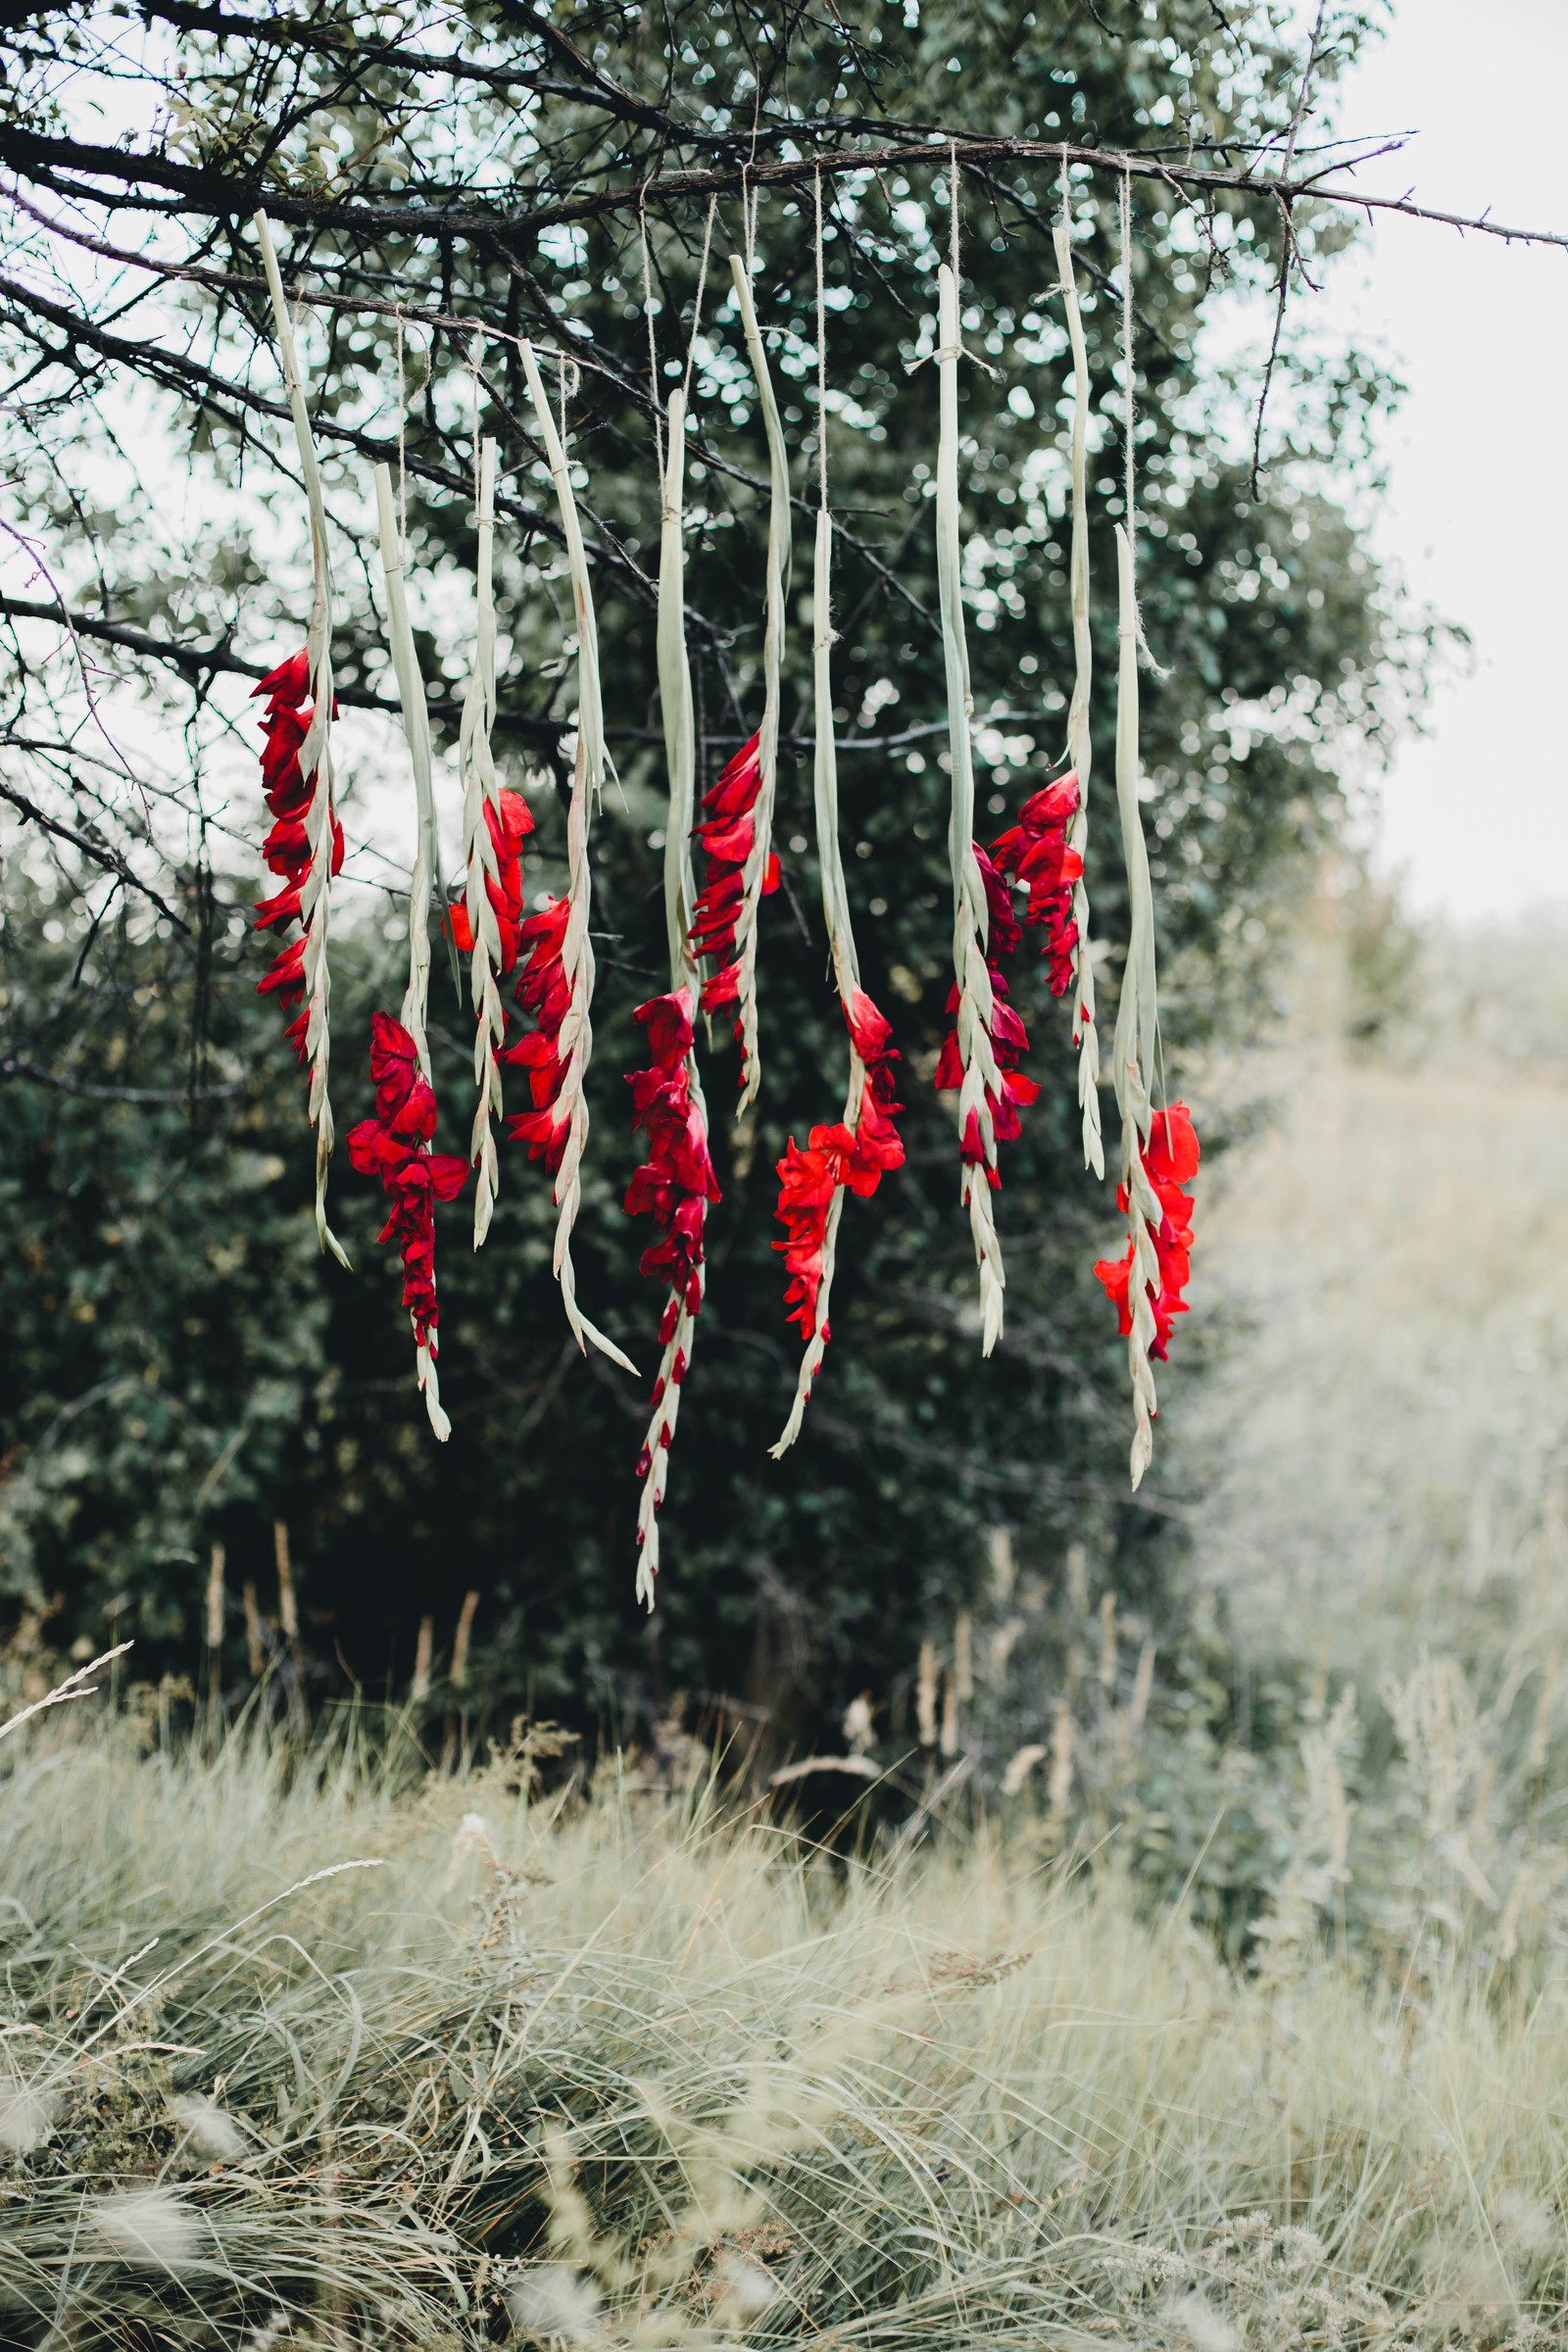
(287, 850)
(1170, 1162)
(508, 833)
(545, 991)
(1009, 1040)
(837, 1159)
(676, 1181)
(395, 1146)
(728, 837)
(1035, 854)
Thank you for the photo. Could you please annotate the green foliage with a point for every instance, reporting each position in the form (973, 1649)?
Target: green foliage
(182, 1369)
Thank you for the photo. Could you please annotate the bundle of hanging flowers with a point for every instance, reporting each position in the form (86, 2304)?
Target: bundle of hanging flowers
(676, 1181)
(1167, 1161)
(1036, 853)
(395, 1145)
(729, 838)
(508, 827)
(837, 1159)
(290, 796)
(543, 990)
(1009, 1040)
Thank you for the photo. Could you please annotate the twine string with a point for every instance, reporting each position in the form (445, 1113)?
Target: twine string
(821, 359)
(653, 340)
(697, 306)
(1129, 413)
(402, 442)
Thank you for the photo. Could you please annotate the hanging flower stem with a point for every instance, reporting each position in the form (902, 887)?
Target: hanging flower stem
(416, 998)
(1080, 750)
(739, 834)
(493, 825)
(676, 1184)
(561, 929)
(323, 834)
(853, 1156)
(1137, 1035)
(980, 1079)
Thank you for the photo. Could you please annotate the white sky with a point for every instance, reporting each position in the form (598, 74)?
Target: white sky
(1476, 816)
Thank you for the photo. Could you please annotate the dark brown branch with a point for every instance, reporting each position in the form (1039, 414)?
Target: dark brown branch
(89, 849)
(11, 1067)
(203, 661)
(202, 189)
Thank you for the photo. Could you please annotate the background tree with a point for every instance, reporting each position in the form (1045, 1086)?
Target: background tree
(181, 1368)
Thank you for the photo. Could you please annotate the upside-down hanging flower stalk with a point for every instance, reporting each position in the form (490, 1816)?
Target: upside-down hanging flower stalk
(1166, 1161)
(724, 917)
(419, 1188)
(495, 824)
(677, 1182)
(558, 982)
(981, 1082)
(302, 970)
(742, 870)
(1036, 854)
(1158, 1149)
(1006, 1037)
(287, 849)
(852, 1154)
(1080, 753)
(1148, 1294)
(395, 1146)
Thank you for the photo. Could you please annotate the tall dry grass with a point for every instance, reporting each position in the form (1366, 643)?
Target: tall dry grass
(315, 2049)
(289, 2052)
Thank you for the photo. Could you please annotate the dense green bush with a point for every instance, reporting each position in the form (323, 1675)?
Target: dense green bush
(182, 1369)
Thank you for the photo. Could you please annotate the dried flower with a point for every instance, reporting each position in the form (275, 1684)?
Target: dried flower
(286, 724)
(559, 985)
(852, 1154)
(495, 824)
(395, 1146)
(1165, 1164)
(760, 870)
(1036, 853)
(674, 1186)
(1140, 1280)
(297, 767)
(837, 1159)
(1080, 748)
(400, 1054)
(994, 1118)
(972, 1063)
(729, 838)
(677, 1182)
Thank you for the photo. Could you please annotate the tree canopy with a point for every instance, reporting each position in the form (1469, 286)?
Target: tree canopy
(183, 1367)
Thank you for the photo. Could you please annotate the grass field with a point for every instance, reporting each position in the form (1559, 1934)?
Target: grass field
(296, 2054)
(323, 2050)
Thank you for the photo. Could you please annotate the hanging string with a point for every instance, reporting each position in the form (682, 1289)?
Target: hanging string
(697, 306)
(952, 217)
(958, 347)
(653, 340)
(403, 435)
(475, 349)
(749, 203)
(1124, 214)
(821, 359)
